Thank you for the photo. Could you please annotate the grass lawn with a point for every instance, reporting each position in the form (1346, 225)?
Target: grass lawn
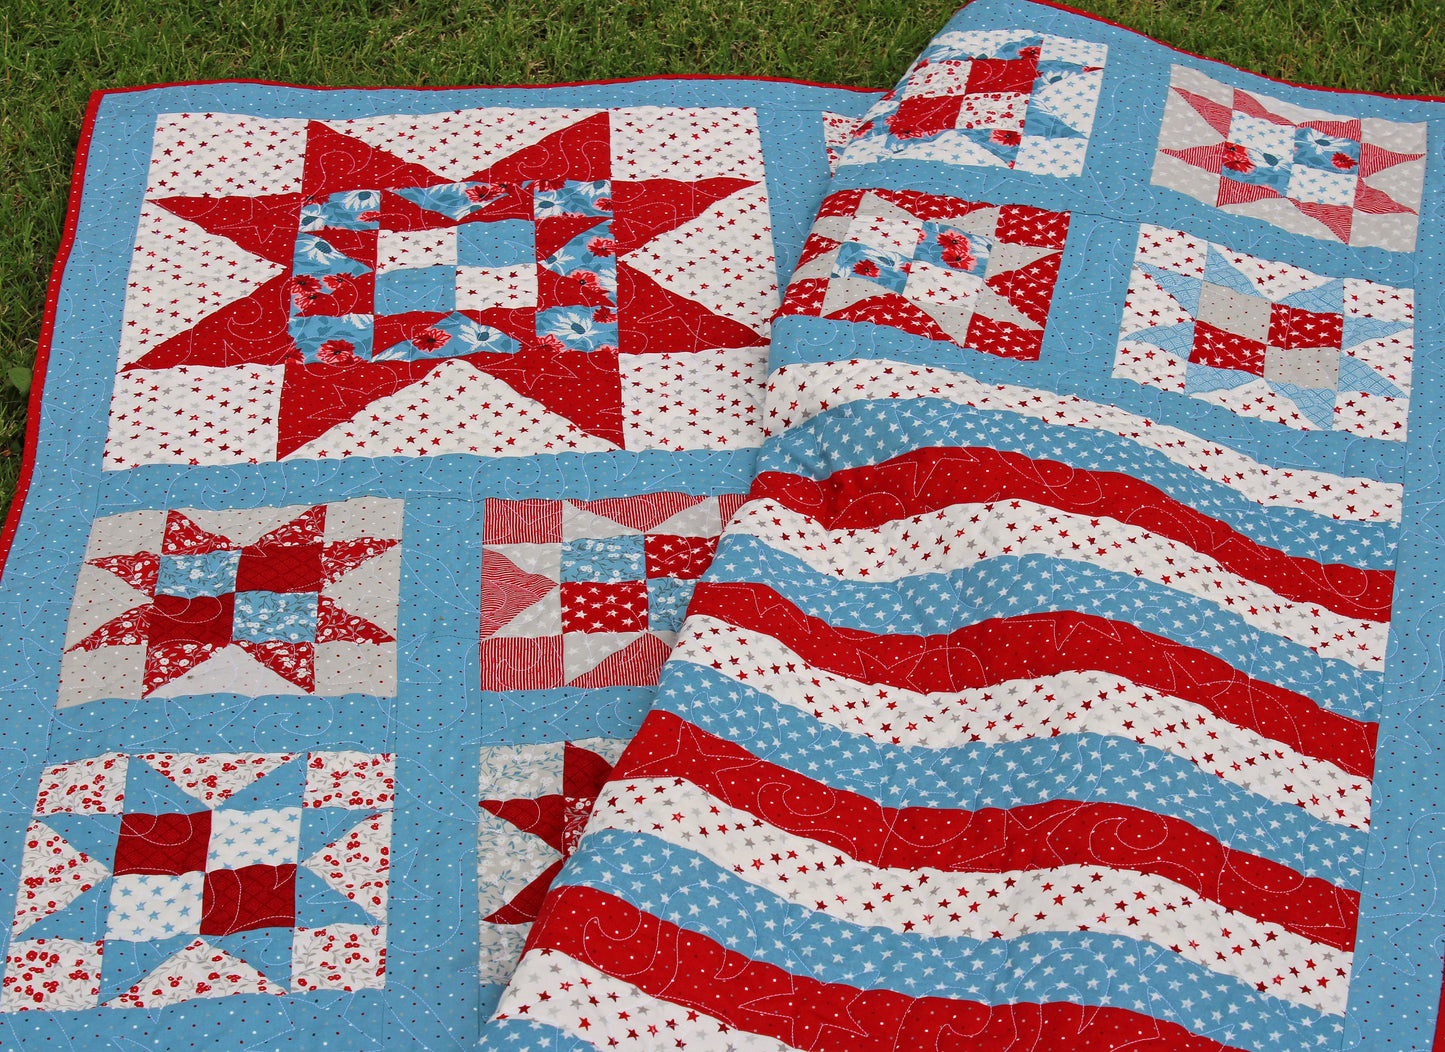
(55, 52)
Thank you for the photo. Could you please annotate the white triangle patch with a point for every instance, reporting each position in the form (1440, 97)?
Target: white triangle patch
(216, 778)
(179, 274)
(460, 143)
(454, 409)
(53, 874)
(198, 971)
(722, 259)
(357, 864)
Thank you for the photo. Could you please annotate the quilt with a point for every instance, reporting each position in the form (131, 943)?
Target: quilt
(736, 564)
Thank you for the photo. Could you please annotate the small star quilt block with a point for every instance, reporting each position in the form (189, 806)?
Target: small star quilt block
(195, 871)
(482, 282)
(591, 593)
(294, 600)
(1266, 339)
(535, 802)
(998, 98)
(976, 275)
(1350, 180)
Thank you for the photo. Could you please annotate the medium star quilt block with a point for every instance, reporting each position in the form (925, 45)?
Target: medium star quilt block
(485, 282)
(294, 600)
(591, 593)
(973, 274)
(1266, 339)
(1000, 98)
(1354, 181)
(535, 801)
(201, 876)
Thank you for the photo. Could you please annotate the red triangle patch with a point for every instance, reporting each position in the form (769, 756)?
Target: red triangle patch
(645, 209)
(1250, 106)
(1210, 158)
(139, 571)
(168, 661)
(293, 662)
(507, 590)
(1377, 202)
(315, 397)
(581, 152)
(183, 537)
(248, 331)
(1338, 218)
(895, 312)
(1350, 129)
(584, 773)
(387, 330)
(334, 624)
(1030, 288)
(555, 231)
(1216, 115)
(655, 319)
(264, 226)
(636, 665)
(341, 557)
(1376, 159)
(1232, 192)
(556, 290)
(336, 163)
(583, 387)
(643, 512)
(542, 816)
(306, 528)
(526, 905)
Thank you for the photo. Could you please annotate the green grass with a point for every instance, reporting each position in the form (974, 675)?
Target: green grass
(55, 52)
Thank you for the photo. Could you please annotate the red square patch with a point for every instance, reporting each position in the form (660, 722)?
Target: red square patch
(1225, 350)
(1293, 328)
(248, 898)
(591, 607)
(204, 619)
(169, 844)
(279, 568)
(925, 115)
(682, 557)
(1022, 225)
(988, 76)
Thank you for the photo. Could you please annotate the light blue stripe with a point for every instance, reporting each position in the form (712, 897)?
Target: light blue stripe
(1084, 967)
(1011, 586)
(835, 441)
(528, 1035)
(1085, 767)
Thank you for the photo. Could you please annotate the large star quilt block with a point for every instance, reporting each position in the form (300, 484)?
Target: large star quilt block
(1354, 181)
(973, 274)
(189, 876)
(1266, 339)
(999, 98)
(535, 801)
(591, 593)
(486, 282)
(293, 600)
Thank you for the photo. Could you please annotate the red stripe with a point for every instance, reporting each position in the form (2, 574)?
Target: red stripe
(691, 970)
(927, 480)
(992, 840)
(1033, 645)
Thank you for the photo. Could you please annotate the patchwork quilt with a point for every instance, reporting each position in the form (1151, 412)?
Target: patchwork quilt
(736, 565)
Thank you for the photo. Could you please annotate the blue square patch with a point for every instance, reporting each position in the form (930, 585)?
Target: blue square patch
(667, 600)
(417, 289)
(192, 576)
(953, 249)
(275, 617)
(871, 264)
(604, 560)
(501, 244)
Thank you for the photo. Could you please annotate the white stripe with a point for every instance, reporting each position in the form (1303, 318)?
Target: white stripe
(980, 905)
(963, 535)
(797, 393)
(1081, 702)
(590, 1005)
